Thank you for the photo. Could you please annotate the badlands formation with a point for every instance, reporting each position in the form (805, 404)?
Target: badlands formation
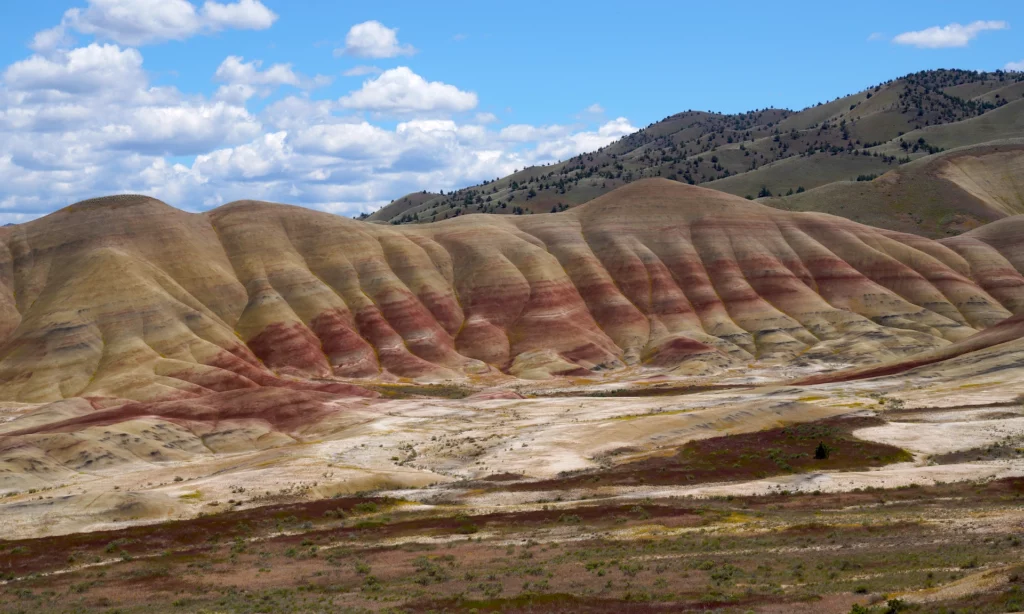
(127, 298)
(140, 339)
(158, 365)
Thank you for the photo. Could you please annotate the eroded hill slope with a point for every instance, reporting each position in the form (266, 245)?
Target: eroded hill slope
(127, 297)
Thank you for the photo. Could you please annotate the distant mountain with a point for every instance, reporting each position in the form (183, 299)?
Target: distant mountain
(768, 153)
(937, 195)
(398, 207)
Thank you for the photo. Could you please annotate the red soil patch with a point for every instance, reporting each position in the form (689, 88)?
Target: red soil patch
(677, 350)
(350, 354)
(391, 348)
(561, 602)
(236, 361)
(29, 555)
(285, 409)
(748, 456)
(290, 348)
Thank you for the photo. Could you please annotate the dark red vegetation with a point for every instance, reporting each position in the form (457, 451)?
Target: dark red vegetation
(789, 449)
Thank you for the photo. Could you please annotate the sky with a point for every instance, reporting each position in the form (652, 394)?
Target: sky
(344, 106)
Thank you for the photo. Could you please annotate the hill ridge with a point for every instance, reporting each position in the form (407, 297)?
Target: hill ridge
(764, 153)
(155, 304)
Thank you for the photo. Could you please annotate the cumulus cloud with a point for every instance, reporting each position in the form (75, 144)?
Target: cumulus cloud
(1015, 66)
(524, 132)
(51, 39)
(241, 15)
(594, 108)
(79, 71)
(362, 70)
(583, 141)
(234, 69)
(953, 35)
(245, 79)
(181, 130)
(234, 93)
(351, 141)
(139, 22)
(293, 112)
(400, 90)
(372, 39)
(82, 122)
(268, 155)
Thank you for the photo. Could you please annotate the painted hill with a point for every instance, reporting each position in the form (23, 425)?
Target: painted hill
(993, 349)
(772, 152)
(129, 298)
(1002, 339)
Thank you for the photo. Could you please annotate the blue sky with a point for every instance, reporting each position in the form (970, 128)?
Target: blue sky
(203, 101)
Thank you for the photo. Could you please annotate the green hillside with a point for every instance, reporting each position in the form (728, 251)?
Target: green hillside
(768, 153)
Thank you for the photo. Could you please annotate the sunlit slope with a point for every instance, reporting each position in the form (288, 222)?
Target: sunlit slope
(127, 297)
(936, 196)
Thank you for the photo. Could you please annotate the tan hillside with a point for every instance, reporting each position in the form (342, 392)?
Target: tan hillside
(127, 297)
(936, 196)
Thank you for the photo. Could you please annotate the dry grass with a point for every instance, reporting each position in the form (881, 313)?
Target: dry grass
(793, 553)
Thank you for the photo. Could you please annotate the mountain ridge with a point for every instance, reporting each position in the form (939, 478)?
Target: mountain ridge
(764, 153)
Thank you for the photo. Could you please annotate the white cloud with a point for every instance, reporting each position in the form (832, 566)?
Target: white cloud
(875, 36)
(138, 22)
(580, 142)
(245, 79)
(400, 90)
(134, 22)
(293, 112)
(345, 140)
(46, 41)
(182, 129)
(595, 109)
(953, 35)
(234, 93)
(372, 39)
(265, 156)
(616, 128)
(79, 71)
(234, 69)
(241, 15)
(523, 133)
(83, 122)
(1015, 66)
(304, 153)
(360, 71)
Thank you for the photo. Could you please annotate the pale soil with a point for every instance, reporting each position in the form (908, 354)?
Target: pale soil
(416, 448)
(938, 437)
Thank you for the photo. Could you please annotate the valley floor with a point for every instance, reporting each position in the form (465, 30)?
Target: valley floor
(630, 496)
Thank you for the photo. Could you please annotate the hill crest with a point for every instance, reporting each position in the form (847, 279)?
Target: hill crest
(164, 304)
